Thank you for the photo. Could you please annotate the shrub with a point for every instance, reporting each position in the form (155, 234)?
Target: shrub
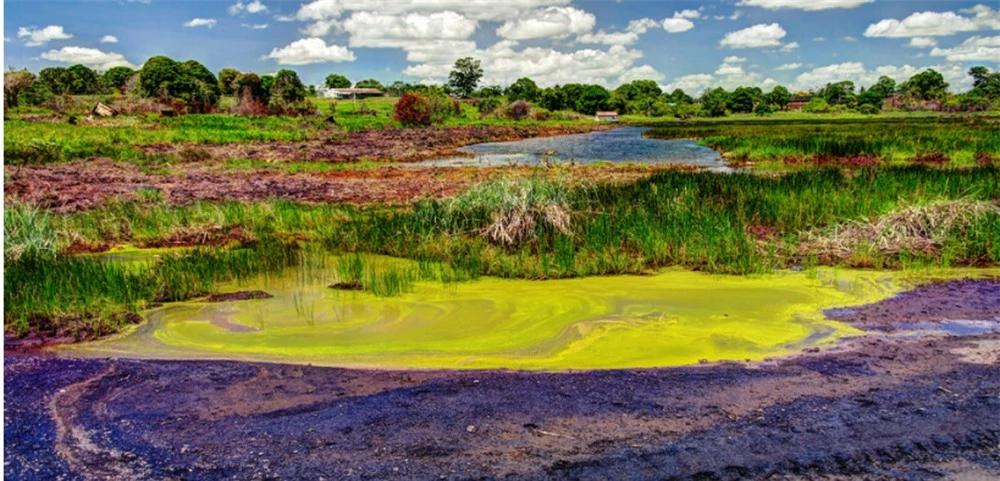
(868, 109)
(488, 105)
(817, 105)
(518, 110)
(763, 109)
(413, 110)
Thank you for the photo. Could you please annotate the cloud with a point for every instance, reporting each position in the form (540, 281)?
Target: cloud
(310, 50)
(688, 13)
(377, 30)
(36, 37)
(628, 37)
(643, 72)
(552, 22)
(973, 49)
(489, 10)
(692, 84)
(803, 4)
(788, 47)
(90, 57)
(109, 39)
(253, 7)
(760, 35)
(936, 24)
(255, 26)
(677, 25)
(200, 22)
(790, 66)
(856, 72)
(922, 42)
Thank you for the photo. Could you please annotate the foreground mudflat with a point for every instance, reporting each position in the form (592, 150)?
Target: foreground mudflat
(901, 406)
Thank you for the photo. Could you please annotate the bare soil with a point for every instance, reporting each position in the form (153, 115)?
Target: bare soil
(909, 405)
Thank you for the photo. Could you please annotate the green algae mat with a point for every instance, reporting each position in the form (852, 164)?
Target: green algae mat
(675, 317)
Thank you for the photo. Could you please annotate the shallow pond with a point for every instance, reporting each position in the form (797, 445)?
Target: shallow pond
(672, 318)
(625, 144)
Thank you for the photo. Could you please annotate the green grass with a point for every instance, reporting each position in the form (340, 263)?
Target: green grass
(886, 140)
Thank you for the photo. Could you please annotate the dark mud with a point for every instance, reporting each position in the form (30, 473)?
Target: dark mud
(911, 407)
(238, 296)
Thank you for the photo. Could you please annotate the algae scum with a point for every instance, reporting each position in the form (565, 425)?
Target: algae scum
(672, 318)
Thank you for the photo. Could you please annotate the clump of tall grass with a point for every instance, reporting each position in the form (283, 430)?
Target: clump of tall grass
(27, 228)
(517, 209)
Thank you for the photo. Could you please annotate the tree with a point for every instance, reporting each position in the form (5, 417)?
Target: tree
(592, 99)
(117, 77)
(636, 97)
(55, 79)
(16, 82)
(884, 87)
(714, 102)
(839, 93)
(196, 85)
(678, 96)
(226, 78)
(413, 110)
(778, 97)
(489, 91)
(337, 81)
(926, 85)
(985, 83)
(250, 84)
(523, 89)
(465, 76)
(553, 98)
(743, 99)
(369, 84)
(288, 89)
(83, 80)
(157, 75)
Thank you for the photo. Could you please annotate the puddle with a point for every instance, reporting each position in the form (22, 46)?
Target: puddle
(672, 318)
(621, 145)
(955, 327)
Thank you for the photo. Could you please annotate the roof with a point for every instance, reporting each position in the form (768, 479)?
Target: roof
(607, 114)
(357, 91)
(801, 98)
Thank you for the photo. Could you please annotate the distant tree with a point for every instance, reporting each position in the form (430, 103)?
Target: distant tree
(488, 104)
(778, 97)
(287, 89)
(226, 78)
(249, 84)
(679, 97)
(489, 91)
(337, 81)
(369, 84)
(926, 85)
(413, 110)
(267, 84)
(714, 102)
(523, 89)
(838, 93)
(83, 80)
(553, 98)
(763, 109)
(884, 87)
(16, 82)
(398, 87)
(871, 99)
(196, 85)
(636, 97)
(465, 76)
(56, 80)
(818, 105)
(117, 77)
(743, 99)
(592, 99)
(985, 83)
(157, 75)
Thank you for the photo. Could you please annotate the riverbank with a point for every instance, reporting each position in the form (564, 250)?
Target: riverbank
(917, 406)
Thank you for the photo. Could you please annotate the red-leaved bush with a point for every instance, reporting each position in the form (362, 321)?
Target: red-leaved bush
(413, 109)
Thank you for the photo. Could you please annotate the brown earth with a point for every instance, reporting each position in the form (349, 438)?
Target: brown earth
(912, 405)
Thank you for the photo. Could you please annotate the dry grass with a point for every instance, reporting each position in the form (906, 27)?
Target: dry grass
(914, 229)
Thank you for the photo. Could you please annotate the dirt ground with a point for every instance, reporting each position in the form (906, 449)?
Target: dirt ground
(896, 404)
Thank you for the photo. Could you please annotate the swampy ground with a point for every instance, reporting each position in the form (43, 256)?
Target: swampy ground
(896, 404)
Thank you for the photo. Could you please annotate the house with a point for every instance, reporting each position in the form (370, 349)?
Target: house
(606, 116)
(797, 102)
(341, 94)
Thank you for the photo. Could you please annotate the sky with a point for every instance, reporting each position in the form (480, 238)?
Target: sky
(693, 45)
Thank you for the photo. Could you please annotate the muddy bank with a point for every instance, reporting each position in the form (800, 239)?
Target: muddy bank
(910, 407)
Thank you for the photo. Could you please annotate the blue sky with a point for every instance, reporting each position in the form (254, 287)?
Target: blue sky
(688, 44)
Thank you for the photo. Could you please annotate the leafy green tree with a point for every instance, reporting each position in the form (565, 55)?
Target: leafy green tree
(288, 89)
(267, 85)
(871, 98)
(398, 87)
(778, 97)
(985, 83)
(714, 102)
(839, 93)
(369, 84)
(196, 85)
(157, 75)
(83, 80)
(743, 99)
(251, 84)
(226, 78)
(678, 96)
(553, 98)
(818, 105)
(16, 82)
(117, 77)
(884, 87)
(56, 80)
(926, 85)
(337, 81)
(593, 99)
(636, 97)
(465, 76)
(763, 109)
(523, 89)
(489, 91)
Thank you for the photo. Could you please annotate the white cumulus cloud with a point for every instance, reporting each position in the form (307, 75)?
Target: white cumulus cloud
(628, 37)
(677, 25)
(200, 22)
(642, 72)
(803, 4)
(760, 35)
(310, 50)
(552, 22)
(109, 39)
(35, 36)
(253, 7)
(955, 75)
(90, 57)
(936, 24)
(790, 66)
(973, 49)
(922, 42)
(377, 30)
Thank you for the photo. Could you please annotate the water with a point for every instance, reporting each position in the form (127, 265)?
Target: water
(621, 145)
(676, 317)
